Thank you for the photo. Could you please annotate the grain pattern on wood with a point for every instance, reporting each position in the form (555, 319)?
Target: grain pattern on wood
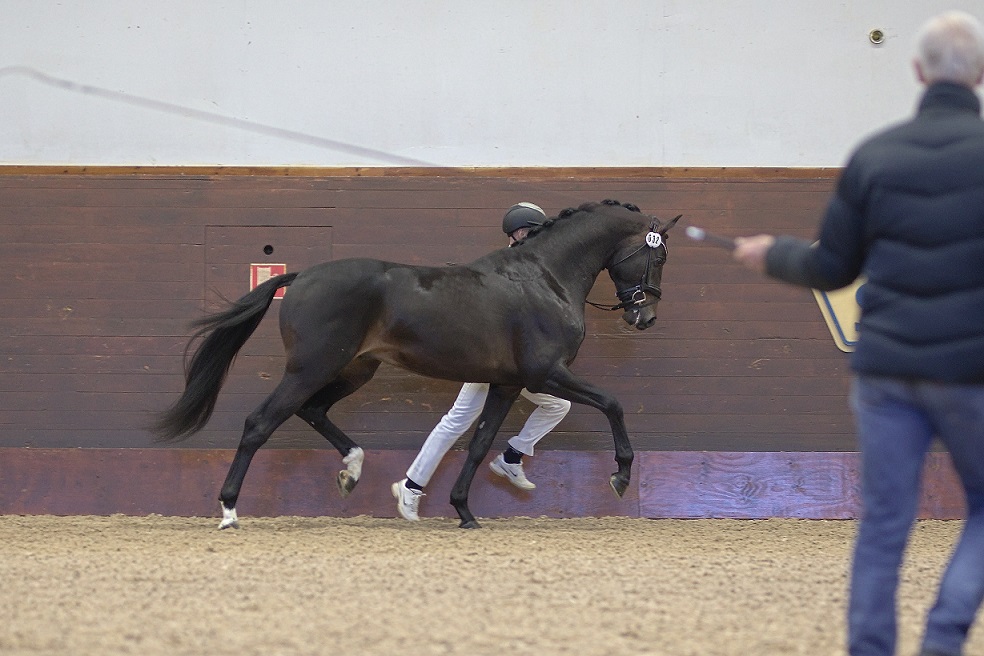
(139, 481)
(107, 270)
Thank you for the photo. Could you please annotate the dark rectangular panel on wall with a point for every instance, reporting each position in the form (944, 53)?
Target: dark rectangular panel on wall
(230, 253)
(106, 271)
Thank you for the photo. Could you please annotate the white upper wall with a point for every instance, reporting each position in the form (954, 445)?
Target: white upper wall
(450, 83)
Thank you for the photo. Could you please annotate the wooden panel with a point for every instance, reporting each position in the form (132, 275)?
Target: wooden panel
(230, 250)
(745, 485)
(106, 271)
(139, 481)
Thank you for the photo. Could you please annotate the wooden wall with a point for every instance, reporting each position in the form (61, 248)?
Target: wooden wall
(104, 270)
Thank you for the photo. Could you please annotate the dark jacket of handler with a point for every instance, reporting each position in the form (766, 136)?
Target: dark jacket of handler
(918, 269)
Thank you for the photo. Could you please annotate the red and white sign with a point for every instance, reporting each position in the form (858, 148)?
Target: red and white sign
(260, 273)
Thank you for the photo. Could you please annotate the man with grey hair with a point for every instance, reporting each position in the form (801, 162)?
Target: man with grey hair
(908, 213)
(951, 49)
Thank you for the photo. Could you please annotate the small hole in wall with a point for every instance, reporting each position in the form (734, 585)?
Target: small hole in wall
(268, 249)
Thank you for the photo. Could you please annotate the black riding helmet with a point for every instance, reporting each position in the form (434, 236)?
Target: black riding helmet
(522, 215)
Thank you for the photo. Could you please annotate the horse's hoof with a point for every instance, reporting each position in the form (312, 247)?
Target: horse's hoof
(346, 482)
(471, 523)
(619, 485)
(348, 477)
(230, 519)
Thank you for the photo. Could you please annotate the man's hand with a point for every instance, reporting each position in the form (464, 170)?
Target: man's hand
(751, 251)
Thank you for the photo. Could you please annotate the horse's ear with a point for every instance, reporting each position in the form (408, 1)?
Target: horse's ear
(670, 224)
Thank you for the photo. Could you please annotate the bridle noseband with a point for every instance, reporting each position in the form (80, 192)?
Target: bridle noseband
(635, 296)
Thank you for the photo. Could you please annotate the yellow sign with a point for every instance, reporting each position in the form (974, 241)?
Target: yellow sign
(841, 311)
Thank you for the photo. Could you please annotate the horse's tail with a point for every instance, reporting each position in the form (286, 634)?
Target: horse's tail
(224, 334)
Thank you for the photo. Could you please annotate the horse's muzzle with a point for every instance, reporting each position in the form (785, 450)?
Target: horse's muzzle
(640, 318)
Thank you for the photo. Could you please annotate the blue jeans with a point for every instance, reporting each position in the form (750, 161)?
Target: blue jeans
(896, 421)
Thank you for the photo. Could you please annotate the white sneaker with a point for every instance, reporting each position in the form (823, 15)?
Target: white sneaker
(407, 500)
(513, 473)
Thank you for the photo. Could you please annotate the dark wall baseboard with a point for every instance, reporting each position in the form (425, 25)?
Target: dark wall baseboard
(186, 482)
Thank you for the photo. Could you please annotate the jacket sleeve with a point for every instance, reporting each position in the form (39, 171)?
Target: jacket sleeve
(836, 259)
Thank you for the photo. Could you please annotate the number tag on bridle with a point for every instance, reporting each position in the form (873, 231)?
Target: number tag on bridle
(654, 240)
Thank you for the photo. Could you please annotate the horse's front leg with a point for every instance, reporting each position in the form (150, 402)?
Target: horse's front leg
(497, 405)
(566, 385)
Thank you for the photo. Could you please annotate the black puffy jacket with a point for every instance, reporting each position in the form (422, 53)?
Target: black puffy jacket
(908, 212)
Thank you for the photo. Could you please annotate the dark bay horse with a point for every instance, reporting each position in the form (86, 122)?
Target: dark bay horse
(514, 319)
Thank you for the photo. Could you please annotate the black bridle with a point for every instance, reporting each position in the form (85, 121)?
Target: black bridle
(635, 296)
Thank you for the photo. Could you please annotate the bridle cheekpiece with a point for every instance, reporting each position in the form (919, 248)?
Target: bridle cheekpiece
(636, 295)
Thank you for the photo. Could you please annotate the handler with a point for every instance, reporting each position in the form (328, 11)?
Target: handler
(516, 223)
(908, 213)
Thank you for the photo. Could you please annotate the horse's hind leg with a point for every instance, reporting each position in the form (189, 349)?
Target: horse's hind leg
(284, 401)
(315, 410)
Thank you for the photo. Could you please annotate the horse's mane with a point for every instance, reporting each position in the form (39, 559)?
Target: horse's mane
(571, 211)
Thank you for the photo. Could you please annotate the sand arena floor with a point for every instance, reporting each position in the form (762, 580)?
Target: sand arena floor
(290, 585)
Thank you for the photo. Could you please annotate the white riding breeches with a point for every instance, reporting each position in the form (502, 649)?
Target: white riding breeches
(466, 409)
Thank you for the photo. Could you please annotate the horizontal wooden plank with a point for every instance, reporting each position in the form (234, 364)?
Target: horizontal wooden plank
(39, 268)
(294, 435)
(31, 298)
(110, 392)
(64, 309)
(57, 293)
(67, 230)
(667, 422)
(265, 204)
(186, 221)
(93, 253)
(139, 381)
(111, 174)
(115, 345)
(57, 326)
(641, 373)
(429, 395)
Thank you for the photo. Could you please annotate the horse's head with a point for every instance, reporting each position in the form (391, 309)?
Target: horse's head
(636, 268)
